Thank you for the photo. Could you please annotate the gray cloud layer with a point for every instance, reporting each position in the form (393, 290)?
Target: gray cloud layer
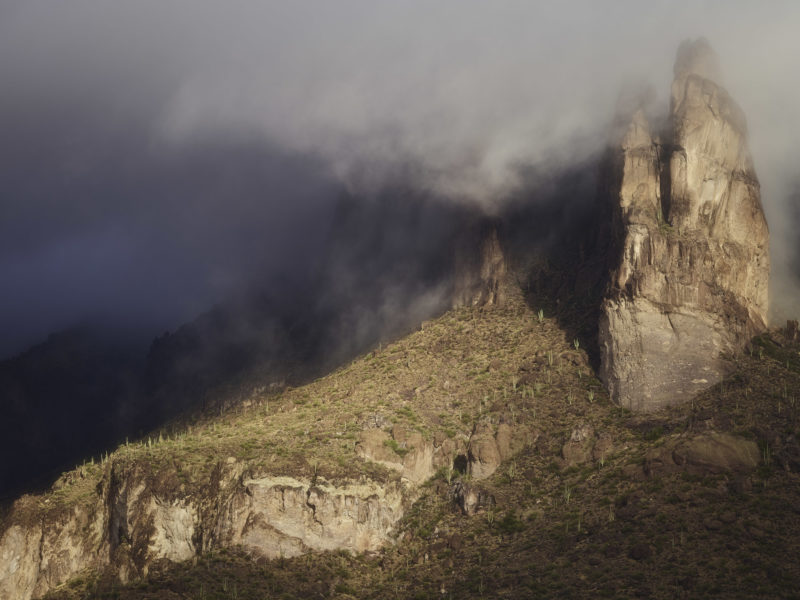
(164, 146)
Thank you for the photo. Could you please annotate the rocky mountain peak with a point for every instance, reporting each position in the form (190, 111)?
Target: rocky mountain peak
(697, 57)
(691, 266)
(713, 182)
(638, 134)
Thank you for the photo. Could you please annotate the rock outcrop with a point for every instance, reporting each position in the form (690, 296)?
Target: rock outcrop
(133, 513)
(489, 446)
(470, 498)
(129, 522)
(480, 269)
(407, 452)
(689, 276)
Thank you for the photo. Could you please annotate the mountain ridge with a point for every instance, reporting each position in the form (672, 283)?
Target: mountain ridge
(543, 404)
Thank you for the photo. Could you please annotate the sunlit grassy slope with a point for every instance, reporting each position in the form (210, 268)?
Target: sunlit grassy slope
(608, 527)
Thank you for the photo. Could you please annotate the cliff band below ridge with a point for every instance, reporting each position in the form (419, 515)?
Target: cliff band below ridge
(129, 524)
(691, 275)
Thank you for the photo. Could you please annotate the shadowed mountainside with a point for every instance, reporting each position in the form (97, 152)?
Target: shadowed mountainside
(75, 393)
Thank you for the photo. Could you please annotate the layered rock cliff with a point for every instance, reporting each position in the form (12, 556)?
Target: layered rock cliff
(135, 517)
(690, 269)
(121, 517)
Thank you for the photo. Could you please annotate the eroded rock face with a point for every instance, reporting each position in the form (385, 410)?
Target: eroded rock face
(130, 522)
(407, 452)
(691, 268)
(138, 514)
(35, 557)
(489, 446)
(286, 516)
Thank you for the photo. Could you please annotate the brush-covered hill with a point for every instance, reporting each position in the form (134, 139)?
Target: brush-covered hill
(477, 457)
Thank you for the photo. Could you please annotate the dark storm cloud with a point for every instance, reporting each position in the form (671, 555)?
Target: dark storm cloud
(154, 156)
(109, 223)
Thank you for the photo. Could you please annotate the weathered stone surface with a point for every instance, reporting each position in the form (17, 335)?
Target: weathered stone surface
(489, 446)
(718, 452)
(708, 453)
(483, 454)
(603, 448)
(129, 524)
(138, 516)
(373, 444)
(417, 459)
(286, 516)
(505, 438)
(690, 271)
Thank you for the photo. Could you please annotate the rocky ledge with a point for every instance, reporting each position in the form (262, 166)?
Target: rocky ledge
(134, 514)
(135, 517)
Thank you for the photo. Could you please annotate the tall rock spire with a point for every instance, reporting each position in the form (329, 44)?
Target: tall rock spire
(691, 265)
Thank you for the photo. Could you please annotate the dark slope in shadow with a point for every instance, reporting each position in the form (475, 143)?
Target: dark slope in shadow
(73, 395)
(557, 233)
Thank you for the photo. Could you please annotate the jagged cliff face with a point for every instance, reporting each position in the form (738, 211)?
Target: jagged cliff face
(690, 275)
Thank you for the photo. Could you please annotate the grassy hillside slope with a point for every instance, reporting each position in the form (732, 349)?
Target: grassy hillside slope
(702, 500)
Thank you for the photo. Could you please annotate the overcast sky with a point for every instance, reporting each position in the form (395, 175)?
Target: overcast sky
(155, 155)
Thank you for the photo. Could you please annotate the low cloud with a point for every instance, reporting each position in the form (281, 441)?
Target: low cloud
(158, 156)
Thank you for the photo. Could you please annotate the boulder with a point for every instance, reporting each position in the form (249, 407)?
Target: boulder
(483, 453)
(488, 447)
(470, 498)
(578, 448)
(603, 448)
(705, 454)
(415, 457)
(717, 453)
(374, 445)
